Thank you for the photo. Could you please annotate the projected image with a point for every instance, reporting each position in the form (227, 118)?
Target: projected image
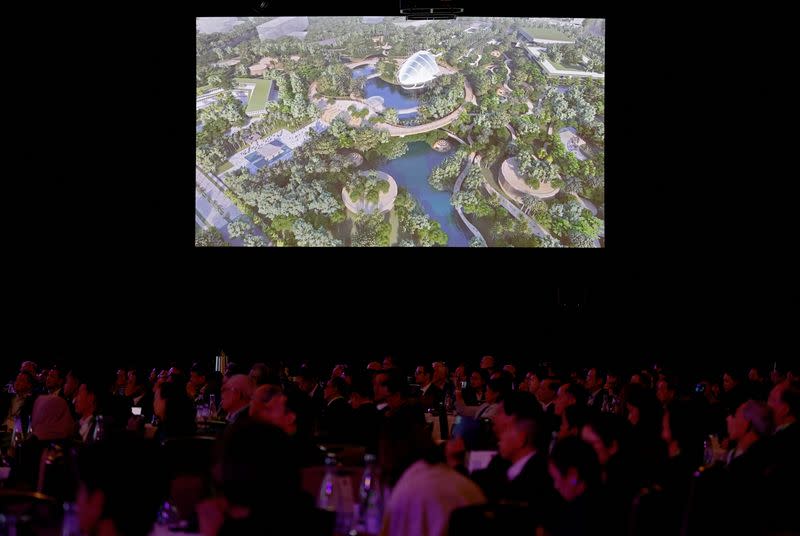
(377, 131)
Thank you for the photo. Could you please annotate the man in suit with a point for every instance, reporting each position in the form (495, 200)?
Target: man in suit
(289, 410)
(54, 382)
(783, 470)
(519, 472)
(307, 381)
(236, 395)
(441, 380)
(138, 393)
(20, 404)
(88, 400)
(390, 389)
(366, 420)
(430, 395)
(597, 395)
(546, 396)
(337, 415)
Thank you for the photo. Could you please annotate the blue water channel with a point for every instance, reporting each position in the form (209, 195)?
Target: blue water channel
(411, 172)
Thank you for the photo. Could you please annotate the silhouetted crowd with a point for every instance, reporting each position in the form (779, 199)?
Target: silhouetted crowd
(460, 447)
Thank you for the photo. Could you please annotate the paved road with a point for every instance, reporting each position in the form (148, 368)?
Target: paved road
(457, 188)
(537, 51)
(512, 131)
(215, 190)
(462, 142)
(508, 75)
(534, 227)
(395, 130)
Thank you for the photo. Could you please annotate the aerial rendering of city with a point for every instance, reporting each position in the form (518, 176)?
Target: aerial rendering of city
(383, 132)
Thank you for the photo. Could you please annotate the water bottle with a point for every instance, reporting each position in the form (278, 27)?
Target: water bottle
(370, 507)
(168, 515)
(70, 526)
(99, 432)
(212, 405)
(17, 438)
(708, 453)
(328, 492)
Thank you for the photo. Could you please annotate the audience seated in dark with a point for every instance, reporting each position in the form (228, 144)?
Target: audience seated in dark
(337, 416)
(496, 390)
(646, 449)
(237, 391)
(783, 470)
(175, 411)
(197, 387)
(475, 392)
(123, 501)
(290, 411)
(519, 471)
(575, 471)
(139, 393)
(425, 491)
(19, 404)
(430, 395)
(260, 483)
(366, 420)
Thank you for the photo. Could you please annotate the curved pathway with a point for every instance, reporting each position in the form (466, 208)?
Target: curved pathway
(457, 188)
(359, 63)
(512, 131)
(395, 130)
(534, 227)
(508, 75)
(222, 211)
(462, 142)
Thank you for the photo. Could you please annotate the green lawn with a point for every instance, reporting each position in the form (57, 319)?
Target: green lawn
(562, 67)
(224, 167)
(548, 33)
(259, 95)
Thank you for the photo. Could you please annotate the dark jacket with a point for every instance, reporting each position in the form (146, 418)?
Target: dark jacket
(432, 397)
(337, 422)
(532, 485)
(366, 424)
(25, 411)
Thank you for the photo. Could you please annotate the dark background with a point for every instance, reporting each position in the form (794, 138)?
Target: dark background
(101, 263)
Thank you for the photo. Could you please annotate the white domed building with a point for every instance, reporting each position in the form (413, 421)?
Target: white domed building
(419, 69)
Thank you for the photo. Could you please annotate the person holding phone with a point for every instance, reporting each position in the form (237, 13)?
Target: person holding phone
(496, 390)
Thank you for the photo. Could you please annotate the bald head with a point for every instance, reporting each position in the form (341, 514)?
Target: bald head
(237, 392)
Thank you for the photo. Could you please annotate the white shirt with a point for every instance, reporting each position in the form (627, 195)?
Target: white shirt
(84, 425)
(423, 499)
(484, 411)
(545, 406)
(382, 405)
(516, 468)
(423, 390)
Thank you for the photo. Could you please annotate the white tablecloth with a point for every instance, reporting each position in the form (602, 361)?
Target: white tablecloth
(437, 433)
